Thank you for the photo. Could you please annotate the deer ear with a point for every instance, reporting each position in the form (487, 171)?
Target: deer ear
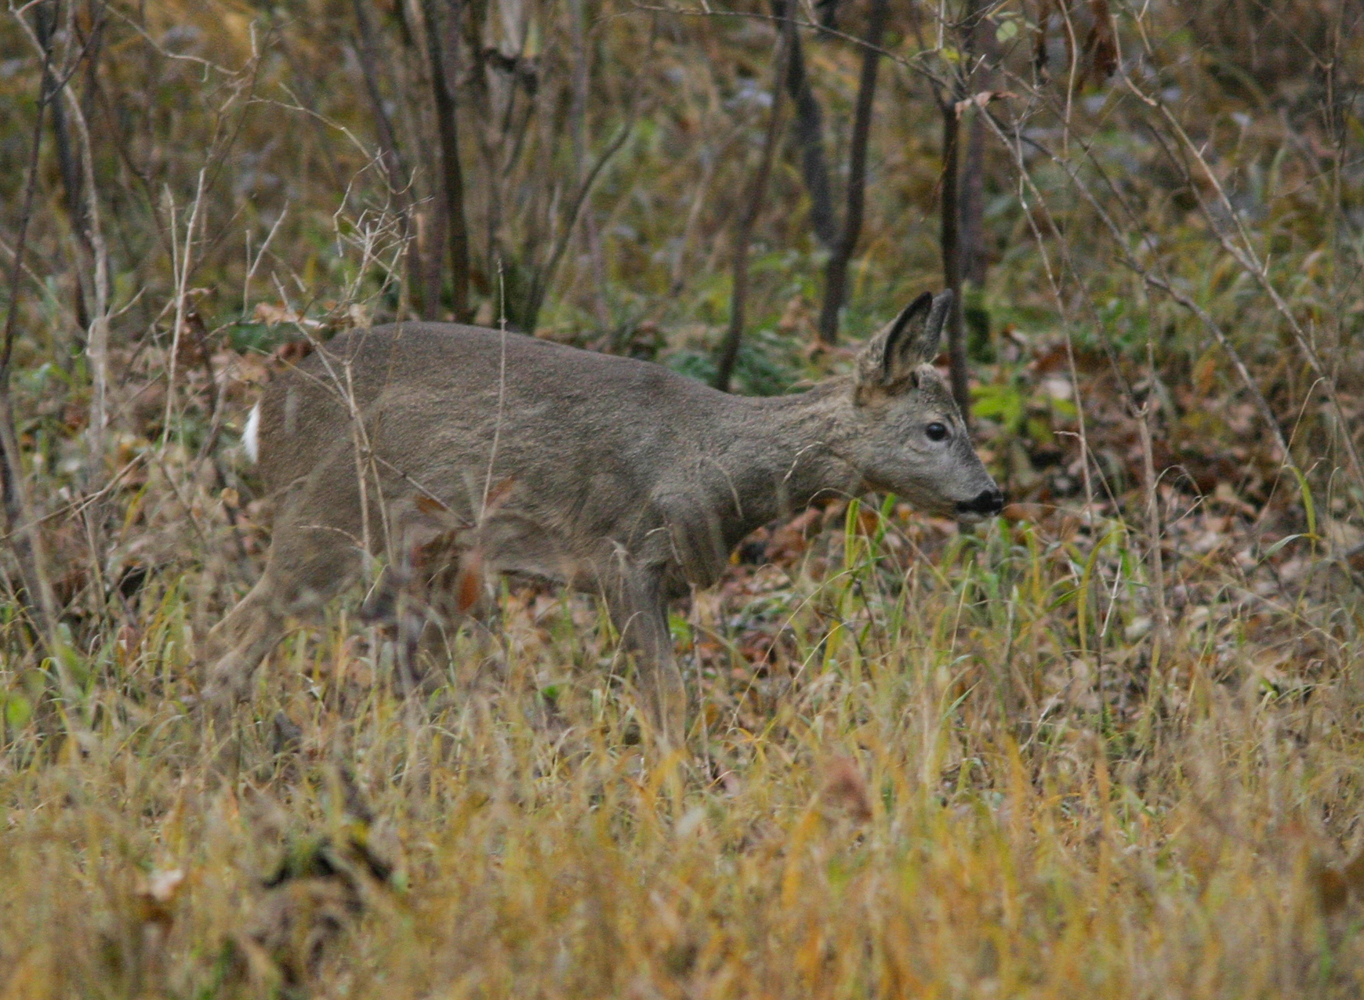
(907, 341)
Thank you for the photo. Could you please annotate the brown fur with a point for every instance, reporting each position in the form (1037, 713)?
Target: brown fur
(608, 474)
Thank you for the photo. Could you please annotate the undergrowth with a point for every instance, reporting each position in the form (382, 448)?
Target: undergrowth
(956, 774)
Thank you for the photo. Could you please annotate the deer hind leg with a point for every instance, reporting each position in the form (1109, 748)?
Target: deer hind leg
(391, 605)
(640, 613)
(414, 621)
(455, 595)
(300, 576)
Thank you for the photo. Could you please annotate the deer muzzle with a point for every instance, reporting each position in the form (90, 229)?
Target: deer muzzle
(987, 503)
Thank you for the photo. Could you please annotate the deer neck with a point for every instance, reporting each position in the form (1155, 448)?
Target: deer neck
(787, 452)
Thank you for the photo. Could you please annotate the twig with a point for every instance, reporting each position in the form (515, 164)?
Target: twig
(180, 261)
(252, 265)
(1158, 281)
(540, 284)
(394, 172)
(1250, 262)
(1026, 185)
(865, 44)
(501, 394)
(1154, 531)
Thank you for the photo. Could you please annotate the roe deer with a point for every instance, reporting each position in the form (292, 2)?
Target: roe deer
(604, 473)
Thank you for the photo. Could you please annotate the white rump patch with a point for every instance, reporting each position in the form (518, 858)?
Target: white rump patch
(251, 437)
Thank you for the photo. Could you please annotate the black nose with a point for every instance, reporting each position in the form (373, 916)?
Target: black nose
(987, 504)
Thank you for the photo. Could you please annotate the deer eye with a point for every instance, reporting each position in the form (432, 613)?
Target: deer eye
(936, 431)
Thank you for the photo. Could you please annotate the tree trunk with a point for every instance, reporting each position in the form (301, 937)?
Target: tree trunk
(729, 352)
(368, 55)
(21, 527)
(808, 129)
(45, 24)
(962, 230)
(447, 126)
(973, 253)
(836, 272)
(951, 251)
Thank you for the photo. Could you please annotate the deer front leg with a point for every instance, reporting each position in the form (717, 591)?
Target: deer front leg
(241, 641)
(298, 580)
(640, 613)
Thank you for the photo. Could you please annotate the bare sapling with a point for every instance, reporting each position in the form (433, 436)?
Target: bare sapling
(607, 474)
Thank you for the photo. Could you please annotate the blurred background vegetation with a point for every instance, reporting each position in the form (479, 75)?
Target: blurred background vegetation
(1154, 215)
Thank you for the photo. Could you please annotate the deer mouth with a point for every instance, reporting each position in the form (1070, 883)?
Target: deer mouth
(987, 503)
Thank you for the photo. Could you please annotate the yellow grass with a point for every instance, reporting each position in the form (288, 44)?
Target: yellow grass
(918, 801)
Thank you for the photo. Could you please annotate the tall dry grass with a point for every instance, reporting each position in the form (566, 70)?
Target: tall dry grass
(920, 792)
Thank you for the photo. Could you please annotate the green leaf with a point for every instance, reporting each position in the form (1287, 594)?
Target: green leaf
(1309, 505)
(18, 710)
(1001, 402)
